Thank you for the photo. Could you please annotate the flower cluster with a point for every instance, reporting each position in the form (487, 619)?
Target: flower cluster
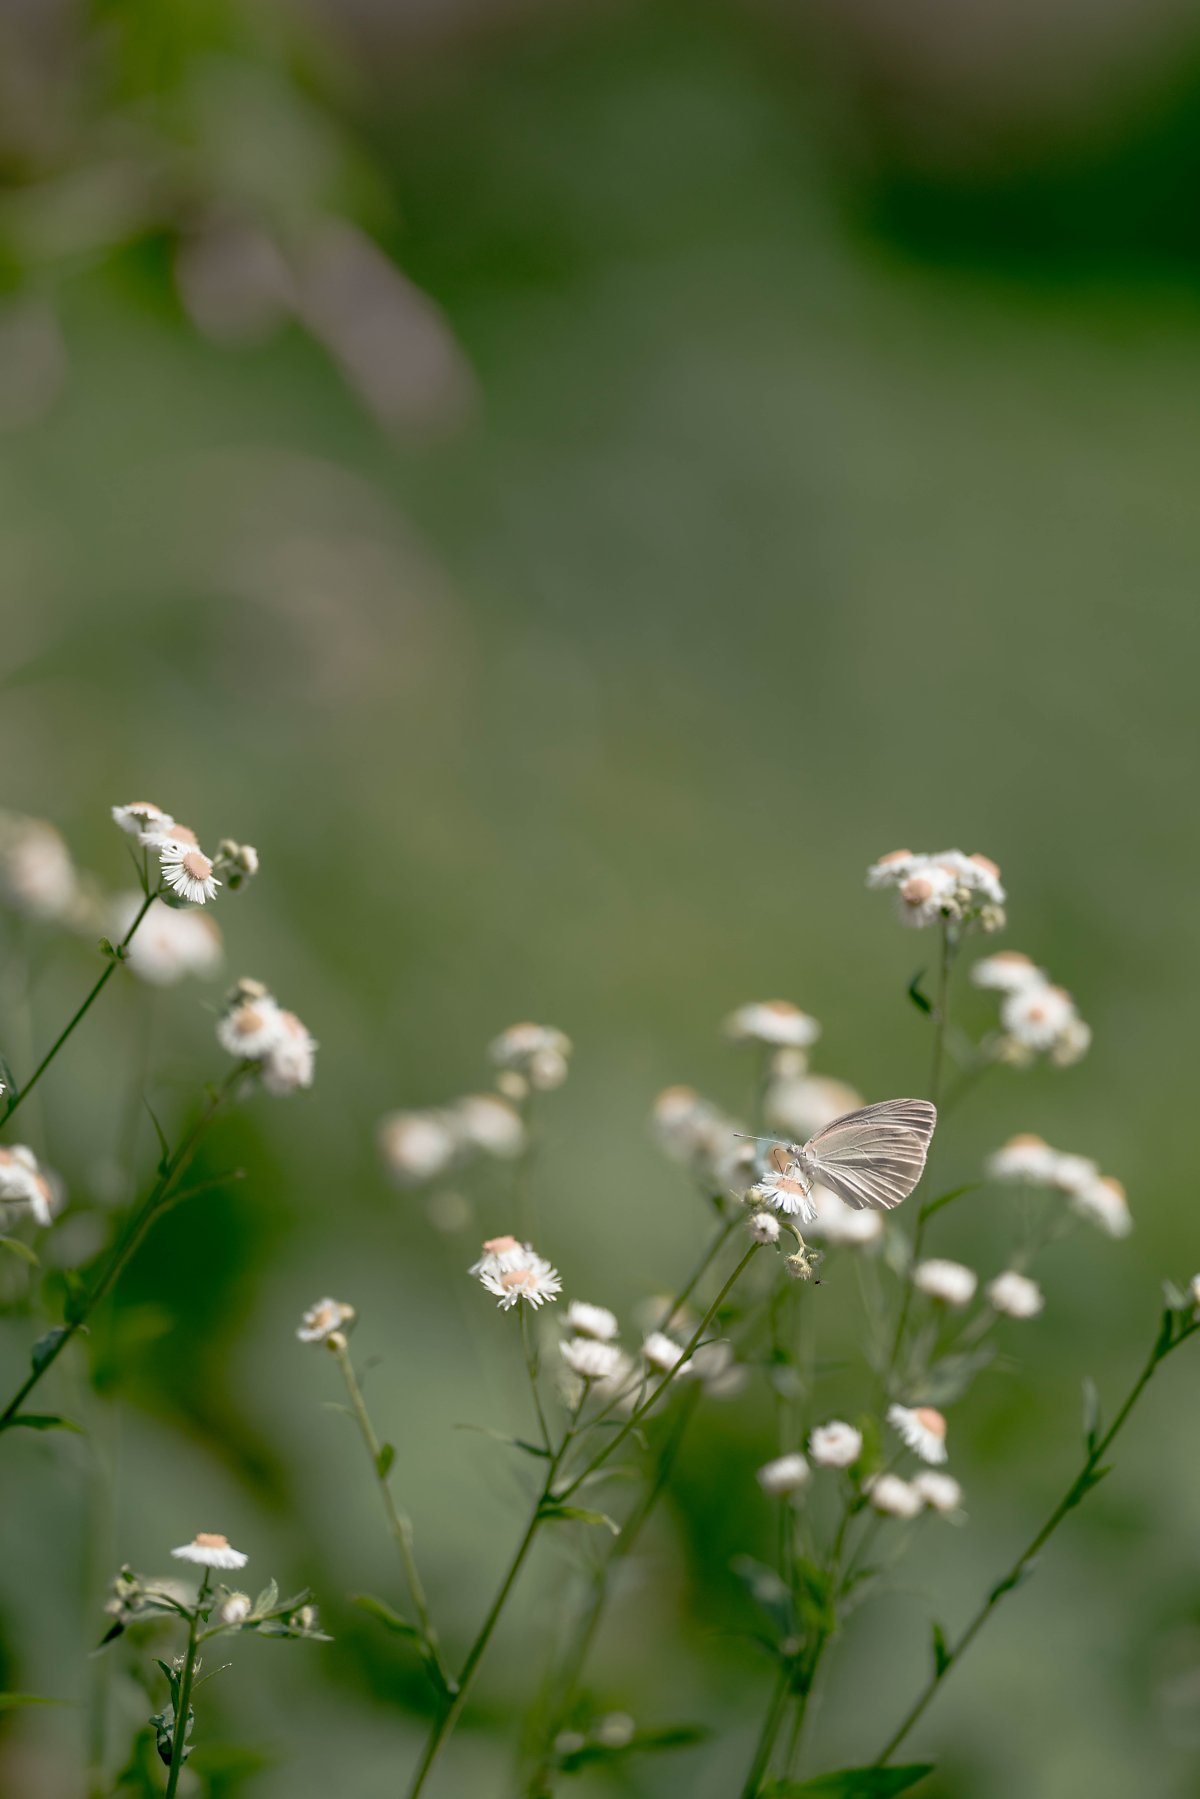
(37, 876)
(419, 1147)
(1036, 1018)
(531, 1058)
(326, 1322)
(254, 1028)
(1027, 1160)
(945, 888)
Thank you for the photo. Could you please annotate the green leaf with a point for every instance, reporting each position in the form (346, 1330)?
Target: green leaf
(1175, 1297)
(379, 1609)
(45, 1349)
(384, 1460)
(578, 1514)
(949, 1379)
(10, 1702)
(948, 1199)
(1091, 1413)
(498, 1436)
(1010, 1582)
(642, 1742)
(851, 1783)
(267, 1600)
(18, 1248)
(1166, 1333)
(941, 1652)
(42, 1421)
(919, 999)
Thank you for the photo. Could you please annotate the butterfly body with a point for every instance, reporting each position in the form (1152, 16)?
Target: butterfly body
(873, 1158)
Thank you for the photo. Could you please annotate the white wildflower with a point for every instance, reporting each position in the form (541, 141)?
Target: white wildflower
(940, 1492)
(835, 1445)
(417, 1147)
(234, 1609)
(926, 897)
(1102, 1202)
(169, 944)
(186, 870)
(922, 1428)
(763, 1227)
(211, 1552)
(141, 817)
(591, 1321)
(784, 1186)
(662, 1352)
(787, 1474)
(774, 1022)
(892, 869)
(37, 875)
(592, 1360)
(948, 1282)
(536, 1052)
(489, 1123)
(514, 1271)
(249, 1027)
(894, 1497)
(1035, 1016)
(1015, 1295)
(290, 1063)
(25, 1184)
(840, 1225)
(324, 1320)
(1008, 971)
(1024, 1158)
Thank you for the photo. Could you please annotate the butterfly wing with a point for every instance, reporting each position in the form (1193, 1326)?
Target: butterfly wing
(876, 1156)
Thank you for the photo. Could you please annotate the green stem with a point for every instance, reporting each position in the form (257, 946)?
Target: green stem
(639, 1412)
(179, 1739)
(531, 1366)
(17, 1098)
(399, 1525)
(767, 1735)
(941, 1012)
(154, 1203)
(1076, 1492)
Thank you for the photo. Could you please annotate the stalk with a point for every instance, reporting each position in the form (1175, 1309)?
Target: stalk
(179, 1739)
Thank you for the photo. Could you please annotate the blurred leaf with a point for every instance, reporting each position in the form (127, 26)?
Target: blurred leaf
(498, 1436)
(919, 999)
(44, 1349)
(948, 1199)
(941, 1652)
(11, 1702)
(949, 1379)
(578, 1514)
(41, 1421)
(1175, 1297)
(642, 1742)
(384, 1460)
(267, 1600)
(851, 1783)
(767, 1588)
(379, 1609)
(18, 1248)
(1011, 1582)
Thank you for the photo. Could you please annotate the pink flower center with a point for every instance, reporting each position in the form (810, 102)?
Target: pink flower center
(196, 864)
(499, 1246)
(206, 1540)
(522, 1279)
(930, 1420)
(917, 891)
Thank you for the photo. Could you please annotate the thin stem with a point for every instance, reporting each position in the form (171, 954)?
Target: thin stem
(1076, 1492)
(639, 1412)
(179, 1737)
(135, 1231)
(399, 1524)
(531, 1365)
(941, 1013)
(767, 1735)
(16, 1099)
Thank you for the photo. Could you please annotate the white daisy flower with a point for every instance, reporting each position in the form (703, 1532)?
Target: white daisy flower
(169, 944)
(591, 1321)
(784, 1187)
(1073, 1173)
(251, 1025)
(489, 1123)
(25, 1183)
(922, 1429)
(662, 1352)
(894, 1497)
(321, 1321)
(840, 1225)
(1008, 971)
(234, 1609)
(1035, 1016)
(835, 1445)
(978, 874)
(775, 1022)
(417, 1147)
(763, 1227)
(1024, 1158)
(947, 1282)
(141, 816)
(693, 1131)
(290, 1063)
(1072, 1044)
(1015, 1295)
(186, 870)
(211, 1552)
(892, 869)
(592, 1360)
(926, 897)
(1102, 1202)
(940, 1492)
(787, 1474)
(802, 1105)
(500, 1254)
(37, 875)
(537, 1052)
(529, 1277)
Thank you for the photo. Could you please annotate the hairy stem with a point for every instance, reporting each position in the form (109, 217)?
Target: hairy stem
(17, 1099)
(179, 1737)
(399, 1524)
(1087, 1477)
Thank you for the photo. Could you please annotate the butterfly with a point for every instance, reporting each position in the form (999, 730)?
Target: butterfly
(870, 1158)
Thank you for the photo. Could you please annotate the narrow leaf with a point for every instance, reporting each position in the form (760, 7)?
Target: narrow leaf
(9, 1702)
(948, 1199)
(941, 1652)
(18, 1248)
(498, 1436)
(384, 1460)
(1166, 1332)
(1091, 1413)
(642, 1742)
(379, 1609)
(919, 999)
(1010, 1583)
(42, 1421)
(1174, 1297)
(851, 1783)
(579, 1514)
(46, 1347)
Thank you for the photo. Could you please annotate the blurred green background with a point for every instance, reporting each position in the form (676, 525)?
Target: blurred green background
(772, 439)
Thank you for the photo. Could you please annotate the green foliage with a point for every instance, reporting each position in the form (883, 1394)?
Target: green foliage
(851, 1783)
